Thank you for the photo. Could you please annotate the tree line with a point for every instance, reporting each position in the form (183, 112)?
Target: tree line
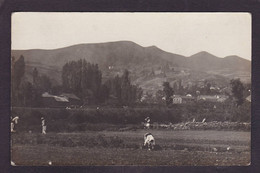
(24, 92)
(85, 81)
(78, 77)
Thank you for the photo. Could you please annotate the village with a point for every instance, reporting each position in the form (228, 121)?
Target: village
(68, 100)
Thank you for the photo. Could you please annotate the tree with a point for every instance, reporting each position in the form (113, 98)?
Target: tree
(25, 93)
(56, 90)
(237, 91)
(159, 95)
(35, 76)
(139, 93)
(180, 87)
(208, 91)
(41, 84)
(17, 73)
(168, 93)
(82, 78)
(175, 87)
(45, 83)
(123, 90)
(104, 93)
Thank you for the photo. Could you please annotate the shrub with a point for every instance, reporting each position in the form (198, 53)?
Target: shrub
(62, 120)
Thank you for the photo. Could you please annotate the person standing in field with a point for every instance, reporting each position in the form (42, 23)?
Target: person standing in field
(147, 122)
(44, 127)
(12, 125)
(14, 122)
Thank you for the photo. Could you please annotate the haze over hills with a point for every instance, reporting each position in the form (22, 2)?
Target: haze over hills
(114, 57)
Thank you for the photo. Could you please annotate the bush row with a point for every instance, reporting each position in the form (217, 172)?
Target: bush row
(103, 118)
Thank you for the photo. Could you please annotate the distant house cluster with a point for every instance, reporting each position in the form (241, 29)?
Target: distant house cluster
(215, 98)
(178, 99)
(63, 100)
(184, 99)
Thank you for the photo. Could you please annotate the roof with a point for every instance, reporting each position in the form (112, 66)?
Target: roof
(183, 97)
(248, 98)
(187, 97)
(212, 97)
(217, 98)
(70, 96)
(207, 97)
(46, 94)
(57, 98)
(61, 99)
(176, 96)
(112, 97)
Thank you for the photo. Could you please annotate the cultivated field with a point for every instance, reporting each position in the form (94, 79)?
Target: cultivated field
(173, 147)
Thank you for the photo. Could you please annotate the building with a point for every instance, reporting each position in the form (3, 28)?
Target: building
(222, 98)
(215, 98)
(49, 100)
(187, 99)
(177, 99)
(72, 98)
(248, 98)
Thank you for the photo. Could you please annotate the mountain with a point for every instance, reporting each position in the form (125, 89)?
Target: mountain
(205, 61)
(113, 53)
(114, 57)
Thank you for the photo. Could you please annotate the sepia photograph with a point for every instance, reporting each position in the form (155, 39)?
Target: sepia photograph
(130, 89)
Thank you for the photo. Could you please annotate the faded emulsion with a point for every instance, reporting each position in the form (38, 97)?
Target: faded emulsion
(153, 89)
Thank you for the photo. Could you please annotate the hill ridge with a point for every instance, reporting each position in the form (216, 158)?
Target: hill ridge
(127, 54)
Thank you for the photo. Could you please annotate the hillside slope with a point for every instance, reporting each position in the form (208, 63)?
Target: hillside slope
(140, 61)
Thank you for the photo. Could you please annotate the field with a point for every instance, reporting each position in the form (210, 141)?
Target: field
(113, 147)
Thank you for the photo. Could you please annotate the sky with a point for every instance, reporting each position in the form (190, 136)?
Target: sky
(221, 34)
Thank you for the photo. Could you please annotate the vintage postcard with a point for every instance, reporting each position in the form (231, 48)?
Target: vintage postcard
(95, 89)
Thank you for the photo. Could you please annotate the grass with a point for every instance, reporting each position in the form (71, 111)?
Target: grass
(41, 155)
(124, 148)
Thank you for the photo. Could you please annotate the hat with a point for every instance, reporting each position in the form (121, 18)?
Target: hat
(16, 118)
